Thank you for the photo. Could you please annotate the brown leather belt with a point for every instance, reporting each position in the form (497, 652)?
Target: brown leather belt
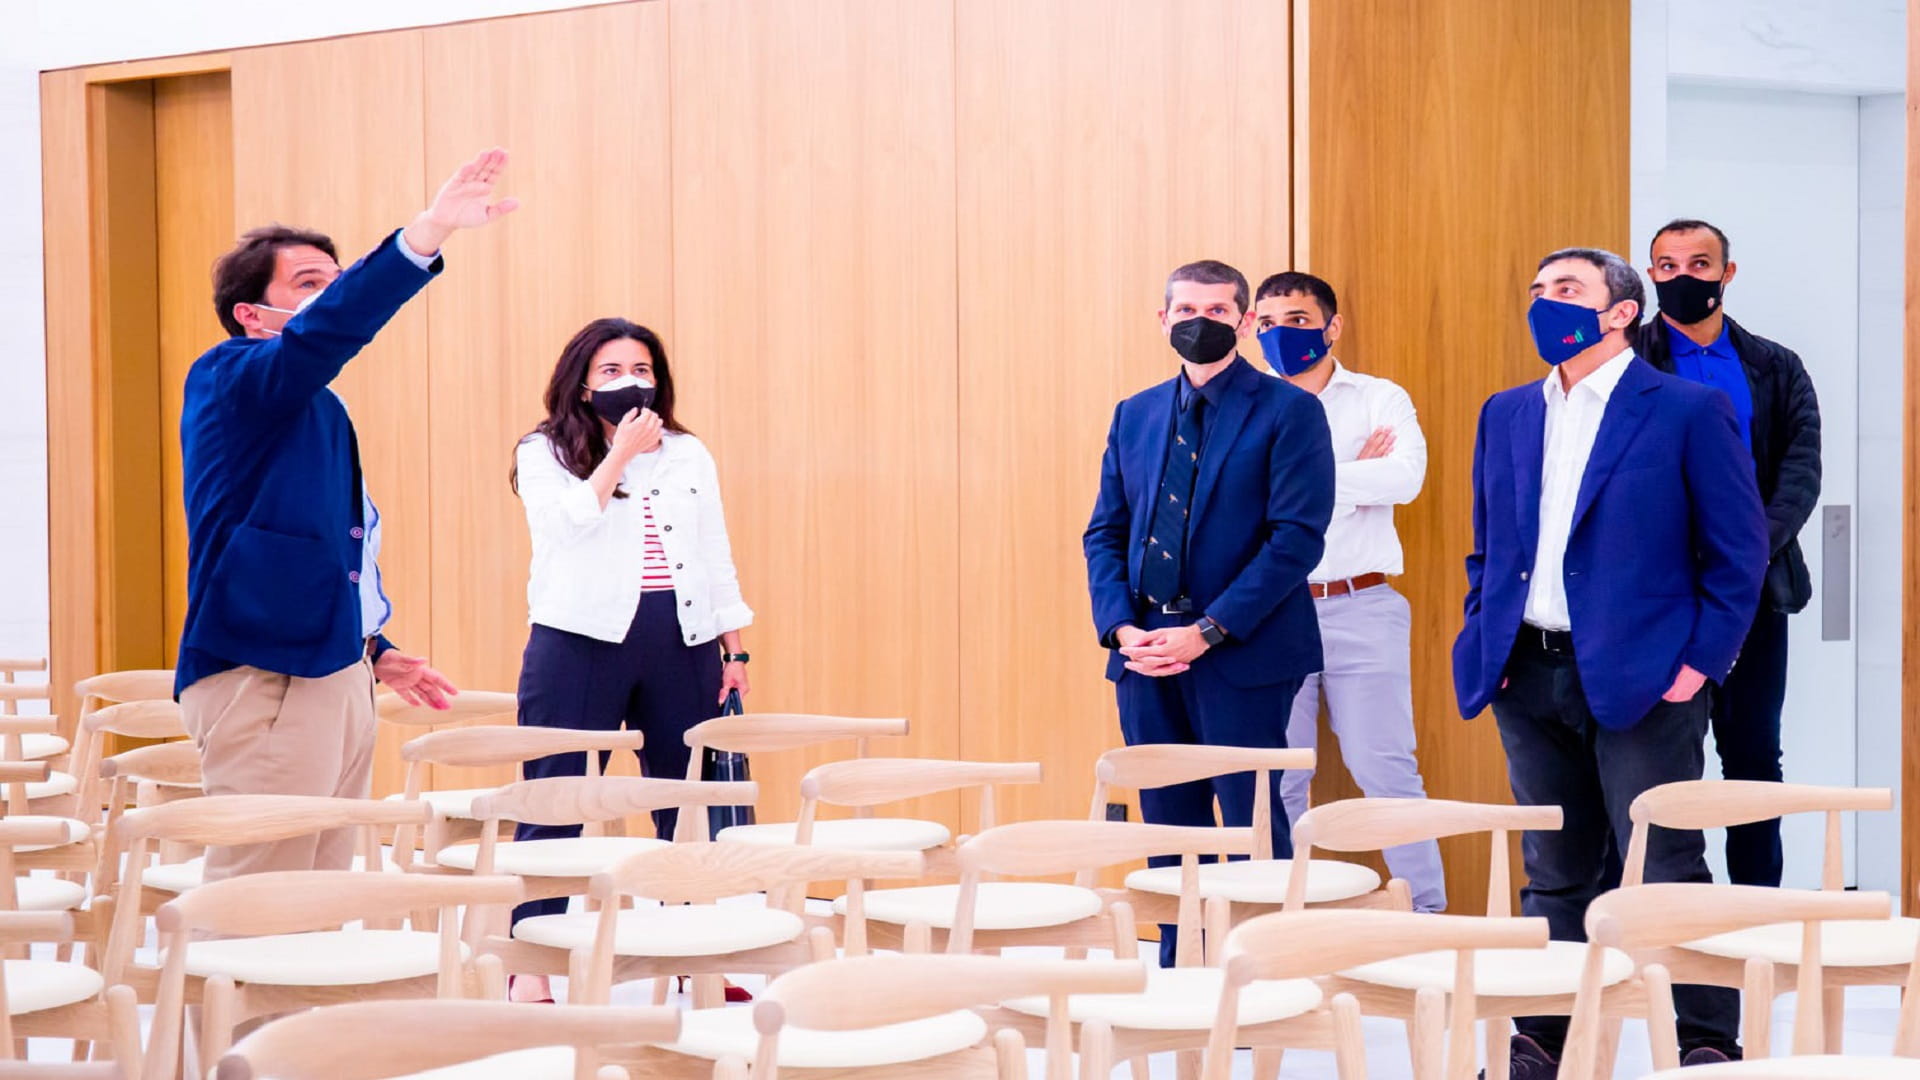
(1323, 589)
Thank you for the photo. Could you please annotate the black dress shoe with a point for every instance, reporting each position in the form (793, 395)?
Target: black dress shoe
(1704, 1055)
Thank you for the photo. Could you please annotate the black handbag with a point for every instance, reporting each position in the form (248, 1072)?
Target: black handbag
(730, 766)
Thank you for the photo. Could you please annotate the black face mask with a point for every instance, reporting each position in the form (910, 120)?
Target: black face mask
(623, 395)
(1687, 299)
(1203, 341)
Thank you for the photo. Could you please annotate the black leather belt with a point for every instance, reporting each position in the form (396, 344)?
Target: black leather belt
(1178, 606)
(1551, 642)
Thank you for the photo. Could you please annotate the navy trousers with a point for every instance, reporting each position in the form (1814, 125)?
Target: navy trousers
(1198, 706)
(1746, 730)
(652, 682)
(1558, 755)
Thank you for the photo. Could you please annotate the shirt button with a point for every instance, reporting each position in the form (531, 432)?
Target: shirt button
(669, 528)
(1523, 575)
(693, 491)
(656, 491)
(689, 603)
(679, 566)
(353, 576)
(356, 532)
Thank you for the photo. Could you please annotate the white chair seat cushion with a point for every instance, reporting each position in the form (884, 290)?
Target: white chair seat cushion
(41, 745)
(175, 877)
(538, 1063)
(678, 930)
(48, 894)
(1183, 999)
(1262, 881)
(851, 834)
(321, 958)
(1499, 972)
(452, 804)
(38, 985)
(715, 1033)
(1836, 1066)
(1000, 905)
(55, 784)
(77, 830)
(560, 856)
(1850, 943)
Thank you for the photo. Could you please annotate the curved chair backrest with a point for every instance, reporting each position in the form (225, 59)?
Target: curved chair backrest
(864, 783)
(784, 731)
(368, 1040)
(466, 707)
(1036, 848)
(1713, 804)
(482, 746)
(703, 873)
(576, 800)
(1378, 824)
(1155, 765)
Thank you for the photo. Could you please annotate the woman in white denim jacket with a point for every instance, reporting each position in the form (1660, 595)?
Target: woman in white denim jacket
(633, 601)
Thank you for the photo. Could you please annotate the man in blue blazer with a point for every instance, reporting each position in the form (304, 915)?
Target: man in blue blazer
(1215, 493)
(1619, 546)
(282, 640)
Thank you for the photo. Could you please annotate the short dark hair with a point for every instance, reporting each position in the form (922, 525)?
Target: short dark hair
(1623, 281)
(1288, 282)
(1688, 225)
(242, 275)
(1210, 272)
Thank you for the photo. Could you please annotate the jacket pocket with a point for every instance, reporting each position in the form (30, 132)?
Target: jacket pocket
(274, 589)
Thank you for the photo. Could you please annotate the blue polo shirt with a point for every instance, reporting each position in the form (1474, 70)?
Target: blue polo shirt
(1715, 364)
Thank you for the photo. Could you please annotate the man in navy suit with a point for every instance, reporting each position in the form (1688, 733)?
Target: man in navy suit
(1215, 493)
(282, 640)
(1619, 546)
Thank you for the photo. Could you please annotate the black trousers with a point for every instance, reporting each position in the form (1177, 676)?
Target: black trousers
(652, 682)
(1198, 706)
(1558, 755)
(1746, 730)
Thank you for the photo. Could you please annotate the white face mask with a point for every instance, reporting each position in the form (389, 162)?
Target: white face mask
(305, 303)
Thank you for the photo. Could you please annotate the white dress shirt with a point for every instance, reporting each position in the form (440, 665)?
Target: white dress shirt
(1361, 538)
(588, 562)
(1573, 419)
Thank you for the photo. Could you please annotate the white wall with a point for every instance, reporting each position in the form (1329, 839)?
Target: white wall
(37, 35)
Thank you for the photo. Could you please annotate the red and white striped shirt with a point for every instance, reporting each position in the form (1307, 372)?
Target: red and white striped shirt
(655, 574)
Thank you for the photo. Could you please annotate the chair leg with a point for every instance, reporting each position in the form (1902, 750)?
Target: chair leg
(1663, 1035)
(1427, 1033)
(1836, 1018)
(1756, 1010)
(1096, 1051)
(218, 1013)
(1609, 1049)
(1009, 1055)
(732, 1067)
(1140, 1068)
(1499, 1040)
(1349, 1044)
(1266, 1064)
(661, 986)
(123, 1028)
(1186, 1065)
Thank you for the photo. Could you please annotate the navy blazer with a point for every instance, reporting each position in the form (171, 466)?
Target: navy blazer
(272, 478)
(1261, 504)
(1665, 558)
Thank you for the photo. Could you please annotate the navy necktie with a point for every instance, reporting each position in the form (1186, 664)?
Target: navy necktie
(1163, 567)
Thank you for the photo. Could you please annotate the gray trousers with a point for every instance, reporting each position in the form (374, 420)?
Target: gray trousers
(1367, 637)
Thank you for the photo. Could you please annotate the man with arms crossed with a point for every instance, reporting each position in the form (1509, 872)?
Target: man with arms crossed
(1365, 625)
(1215, 491)
(282, 641)
(1618, 548)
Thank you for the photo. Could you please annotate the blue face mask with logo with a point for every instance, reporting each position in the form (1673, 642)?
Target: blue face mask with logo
(1293, 350)
(1562, 331)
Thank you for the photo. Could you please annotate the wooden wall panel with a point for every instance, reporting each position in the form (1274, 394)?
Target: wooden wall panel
(193, 191)
(329, 136)
(73, 593)
(1443, 162)
(1101, 145)
(814, 331)
(580, 100)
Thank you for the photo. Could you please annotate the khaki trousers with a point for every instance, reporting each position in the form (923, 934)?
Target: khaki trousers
(261, 733)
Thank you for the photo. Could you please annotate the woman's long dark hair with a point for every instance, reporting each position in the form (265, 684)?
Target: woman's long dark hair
(571, 424)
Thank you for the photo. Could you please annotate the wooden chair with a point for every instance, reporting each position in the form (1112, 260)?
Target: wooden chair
(1253, 886)
(564, 866)
(690, 932)
(864, 783)
(36, 745)
(278, 945)
(51, 793)
(757, 733)
(1299, 945)
(375, 1040)
(1649, 922)
(149, 776)
(146, 720)
(47, 1070)
(1874, 952)
(1506, 983)
(60, 999)
(896, 1017)
(480, 748)
(213, 820)
(977, 913)
(104, 691)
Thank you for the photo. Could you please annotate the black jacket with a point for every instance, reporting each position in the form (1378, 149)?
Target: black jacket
(1786, 448)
